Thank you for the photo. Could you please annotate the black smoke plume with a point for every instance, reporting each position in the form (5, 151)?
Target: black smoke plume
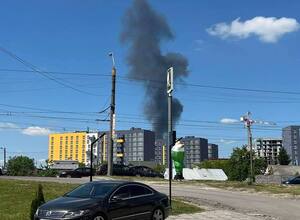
(144, 31)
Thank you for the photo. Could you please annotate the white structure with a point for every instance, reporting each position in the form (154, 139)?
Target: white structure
(64, 164)
(200, 174)
(90, 137)
(268, 148)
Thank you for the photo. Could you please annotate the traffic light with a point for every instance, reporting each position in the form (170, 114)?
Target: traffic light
(120, 142)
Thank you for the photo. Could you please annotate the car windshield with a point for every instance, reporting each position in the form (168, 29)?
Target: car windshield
(92, 190)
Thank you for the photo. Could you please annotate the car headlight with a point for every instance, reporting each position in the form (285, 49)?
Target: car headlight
(73, 214)
(37, 212)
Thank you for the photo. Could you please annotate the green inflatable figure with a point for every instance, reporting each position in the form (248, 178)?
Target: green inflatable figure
(178, 158)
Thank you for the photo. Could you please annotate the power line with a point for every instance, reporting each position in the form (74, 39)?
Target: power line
(140, 80)
(43, 73)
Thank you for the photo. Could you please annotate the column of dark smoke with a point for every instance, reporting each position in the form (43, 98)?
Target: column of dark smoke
(144, 31)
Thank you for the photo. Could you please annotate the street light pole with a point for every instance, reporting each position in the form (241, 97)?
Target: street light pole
(170, 128)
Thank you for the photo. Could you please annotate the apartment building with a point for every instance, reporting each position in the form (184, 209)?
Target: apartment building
(213, 151)
(268, 148)
(196, 150)
(291, 142)
(68, 146)
(139, 145)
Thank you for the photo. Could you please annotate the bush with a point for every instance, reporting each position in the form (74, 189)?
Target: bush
(215, 164)
(37, 201)
(159, 168)
(20, 166)
(47, 173)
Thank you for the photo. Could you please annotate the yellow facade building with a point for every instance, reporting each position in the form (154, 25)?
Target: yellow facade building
(68, 146)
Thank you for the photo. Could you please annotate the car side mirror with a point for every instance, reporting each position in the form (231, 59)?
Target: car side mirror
(116, 198)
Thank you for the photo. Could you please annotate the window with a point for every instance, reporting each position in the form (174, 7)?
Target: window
(102, 189)
(136, 190)
(123, 192)
(83, 191)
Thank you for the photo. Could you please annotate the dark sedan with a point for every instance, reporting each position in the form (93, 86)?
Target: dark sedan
(294, 180)
(107, 200)
(77, 173)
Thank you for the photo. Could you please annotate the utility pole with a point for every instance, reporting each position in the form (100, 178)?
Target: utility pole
(248, 123)
(170, 87)
(112, 119)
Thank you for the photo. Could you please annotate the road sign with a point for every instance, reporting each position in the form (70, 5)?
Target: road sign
(170, 84)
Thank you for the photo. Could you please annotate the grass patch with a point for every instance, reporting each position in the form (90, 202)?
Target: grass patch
(16, 197)
(181, 207)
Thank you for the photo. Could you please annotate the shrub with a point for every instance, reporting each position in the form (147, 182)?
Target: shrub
(37, 201)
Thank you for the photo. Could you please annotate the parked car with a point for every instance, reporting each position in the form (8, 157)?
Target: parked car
(118, 170)
(293, 180)
(77, 173)
(145, 171)
(1, 172)
(107, 200)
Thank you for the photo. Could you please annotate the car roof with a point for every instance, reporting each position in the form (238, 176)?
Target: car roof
(119, 182)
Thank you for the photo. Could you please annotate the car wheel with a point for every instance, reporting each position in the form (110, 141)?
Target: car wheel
(69, 176)
(99, 217)
(157, 215)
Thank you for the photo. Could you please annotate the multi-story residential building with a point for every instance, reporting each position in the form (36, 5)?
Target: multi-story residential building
(291, 142)
(213, 151)
(90, 137)
(196, 150)
(268, 148)
(68, 146)
(161, 153)
(139, 145)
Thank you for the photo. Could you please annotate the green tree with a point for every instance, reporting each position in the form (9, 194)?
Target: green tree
(283, 157)
(37, 201)
(20, 166)
(239, 164)
(215, 164)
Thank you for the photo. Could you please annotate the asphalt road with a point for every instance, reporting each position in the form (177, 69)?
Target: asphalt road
(255, 204)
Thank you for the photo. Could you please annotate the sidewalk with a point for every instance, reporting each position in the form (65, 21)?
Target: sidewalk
(215, 215)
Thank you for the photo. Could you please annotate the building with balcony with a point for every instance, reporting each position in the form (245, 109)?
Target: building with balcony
(291, 142)
(196, 150)
(213, 151)
(268, 148)
(139, 145)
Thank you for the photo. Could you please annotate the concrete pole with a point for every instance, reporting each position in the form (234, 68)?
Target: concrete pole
(112, 122)
(251, 150)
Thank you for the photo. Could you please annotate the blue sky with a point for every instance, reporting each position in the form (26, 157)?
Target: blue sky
(75, 37)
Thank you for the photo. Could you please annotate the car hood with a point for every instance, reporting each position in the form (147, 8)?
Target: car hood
(71, 203)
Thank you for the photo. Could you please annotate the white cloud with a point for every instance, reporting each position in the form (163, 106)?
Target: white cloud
(36, 131)
(223, 141)
(229, 121)
(5, 125)
(267, 29)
